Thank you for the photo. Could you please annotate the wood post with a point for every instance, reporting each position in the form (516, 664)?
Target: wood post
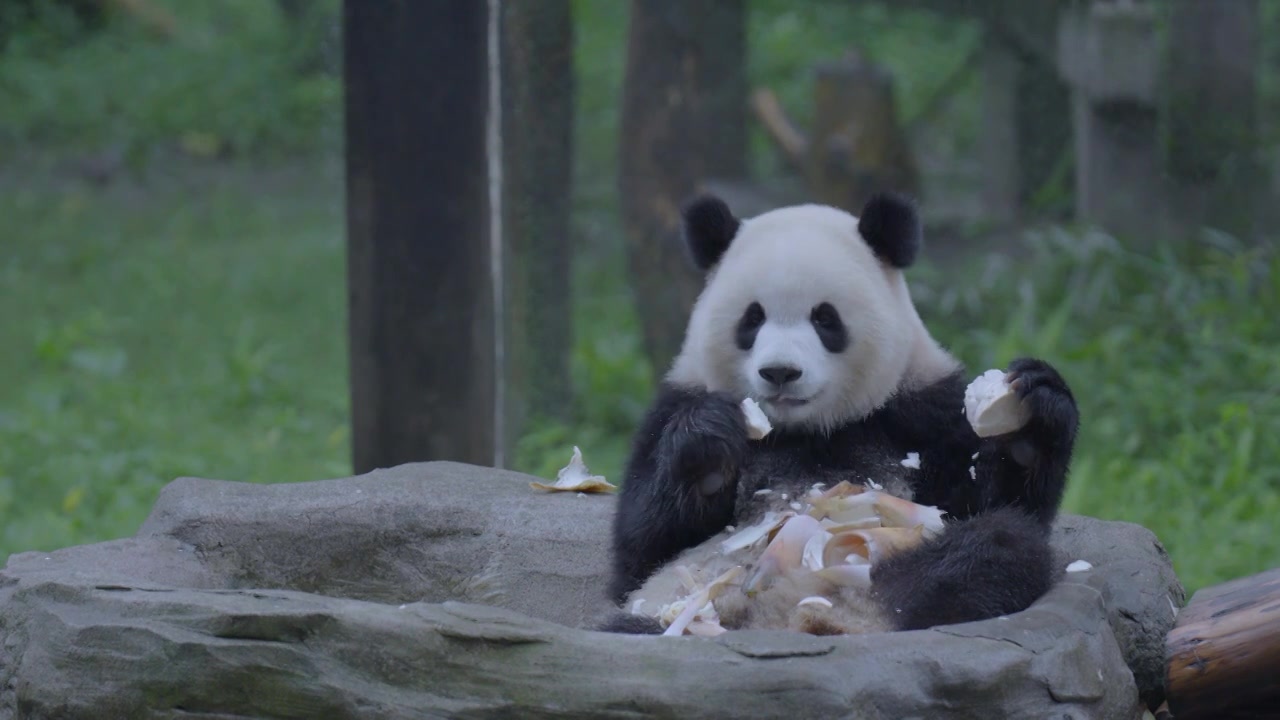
(857, 146)
(1213, 52)
(1224, 652)
(1108, 53)
(421, 323)
(999, 133)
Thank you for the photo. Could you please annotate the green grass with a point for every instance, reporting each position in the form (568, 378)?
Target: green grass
(197, 327)
(199, 333)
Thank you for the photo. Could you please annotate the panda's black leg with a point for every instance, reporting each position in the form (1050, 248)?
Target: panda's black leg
(1028, 468)
(993, 564)
(679, 484)
(628, 624)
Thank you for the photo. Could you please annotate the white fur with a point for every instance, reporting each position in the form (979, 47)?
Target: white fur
(790, 260)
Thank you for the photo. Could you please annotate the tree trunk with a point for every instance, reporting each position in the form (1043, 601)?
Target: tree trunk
(422, 330)
(1212, 66)
(725, 90)
(1225, 650)
(670, 140)
(537, 105)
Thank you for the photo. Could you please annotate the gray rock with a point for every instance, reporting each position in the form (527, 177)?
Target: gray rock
(1141, 591)
(421, 532)
(338, 599)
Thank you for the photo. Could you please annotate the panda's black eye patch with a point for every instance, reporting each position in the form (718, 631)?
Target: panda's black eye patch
(831, 330)
(749, 326)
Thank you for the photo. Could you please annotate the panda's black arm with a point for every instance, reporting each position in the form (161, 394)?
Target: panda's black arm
(931, 421)
(995, 557)
(1037, 487)
(1028, 468)
(679, 484)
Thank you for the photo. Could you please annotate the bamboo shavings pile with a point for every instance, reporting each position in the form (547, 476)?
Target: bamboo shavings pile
(837, 534)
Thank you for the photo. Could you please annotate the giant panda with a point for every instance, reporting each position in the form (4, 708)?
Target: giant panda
(806, 311)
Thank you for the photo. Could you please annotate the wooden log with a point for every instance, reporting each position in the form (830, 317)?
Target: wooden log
(421, 306)
(537, 145)
(1224, 652)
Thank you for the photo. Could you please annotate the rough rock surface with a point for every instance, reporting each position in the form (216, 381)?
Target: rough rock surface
(1141, 592)
(337, 599)
(426, 532)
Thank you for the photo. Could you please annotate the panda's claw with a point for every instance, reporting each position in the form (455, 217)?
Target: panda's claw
(1053, 407)
(1029, 467)
(1027, 374)
(706, 442)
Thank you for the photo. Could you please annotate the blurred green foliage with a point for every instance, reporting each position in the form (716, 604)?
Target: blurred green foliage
(230, 81)
(196, 327)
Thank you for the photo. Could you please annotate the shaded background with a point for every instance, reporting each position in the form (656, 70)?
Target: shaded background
(173, 232)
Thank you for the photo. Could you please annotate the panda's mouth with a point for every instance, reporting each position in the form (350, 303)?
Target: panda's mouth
(786, 401)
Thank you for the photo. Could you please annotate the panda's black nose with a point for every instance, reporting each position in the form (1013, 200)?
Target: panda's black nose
(780, 374)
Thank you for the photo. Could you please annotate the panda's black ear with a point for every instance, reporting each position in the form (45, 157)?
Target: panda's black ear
(891, 226)
(709, 227)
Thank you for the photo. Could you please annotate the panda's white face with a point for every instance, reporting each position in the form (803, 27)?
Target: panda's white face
(791, 356)
(800, 315)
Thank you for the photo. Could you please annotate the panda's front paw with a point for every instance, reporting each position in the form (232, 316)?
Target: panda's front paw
(705, 443)
(1054, 417)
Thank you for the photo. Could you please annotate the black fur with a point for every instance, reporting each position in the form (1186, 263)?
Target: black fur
(689, 435)
(688, 442)
(994, 564)
(830, 328)
(1032, 465)
(891, 226)
(709, 227)
(628, 624)
(744, 334)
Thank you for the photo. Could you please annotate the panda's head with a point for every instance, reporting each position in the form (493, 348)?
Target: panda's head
(806, 310)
